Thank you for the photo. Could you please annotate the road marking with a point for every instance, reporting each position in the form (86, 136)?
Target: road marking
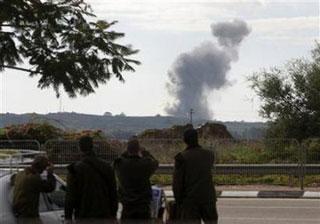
(271, 219)
(311, 194)
(268, 207)
(168, 193)
(269, 199)
(239, 194)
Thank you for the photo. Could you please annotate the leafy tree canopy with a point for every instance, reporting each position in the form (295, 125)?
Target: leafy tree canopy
(63, 43)
(291, 97)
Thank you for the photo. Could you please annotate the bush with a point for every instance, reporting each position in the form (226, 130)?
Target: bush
(312, 147)
(36, 131)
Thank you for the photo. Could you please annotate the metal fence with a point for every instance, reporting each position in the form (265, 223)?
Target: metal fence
(20, 144)
(241, 158)
(64, 152)
(230, 151)
(267, 161)
(18, 152)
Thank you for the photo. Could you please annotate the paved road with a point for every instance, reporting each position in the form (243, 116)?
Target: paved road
(269, 211)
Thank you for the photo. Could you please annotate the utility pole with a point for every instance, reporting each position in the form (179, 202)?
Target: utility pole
(191, 113)
(60, 104)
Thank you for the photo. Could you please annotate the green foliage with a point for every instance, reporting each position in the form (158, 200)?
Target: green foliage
(74, 135)
(63, 43)
(241, 154)
(3, 133)
(290, 97)
(161, 179)
(312, 147)
(279, 180)
(244, 180)
(41, 132)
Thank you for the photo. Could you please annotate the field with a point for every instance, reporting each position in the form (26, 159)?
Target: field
(245, 152)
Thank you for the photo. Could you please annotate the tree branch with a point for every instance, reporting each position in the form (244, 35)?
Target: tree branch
(20, 26)
(17, 68)
(10, 33)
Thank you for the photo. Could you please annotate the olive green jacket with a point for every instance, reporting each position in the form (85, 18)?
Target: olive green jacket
(28, 185)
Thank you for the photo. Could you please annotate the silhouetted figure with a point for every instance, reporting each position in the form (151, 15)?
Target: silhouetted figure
(91, 188)
(28, 185)
(134, 169)
(193, 186)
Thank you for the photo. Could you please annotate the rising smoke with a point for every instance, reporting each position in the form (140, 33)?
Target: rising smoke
(195, 74)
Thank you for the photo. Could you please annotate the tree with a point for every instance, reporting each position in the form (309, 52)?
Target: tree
(291, 97)
(63, 44)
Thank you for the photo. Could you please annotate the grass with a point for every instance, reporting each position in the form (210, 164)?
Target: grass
(276, 180)
(2, 131)
(5, 153)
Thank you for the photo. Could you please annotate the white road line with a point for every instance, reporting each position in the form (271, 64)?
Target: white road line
(270, 219)
(269, 199)
(268, 207)
(239, 193)
(310, 194)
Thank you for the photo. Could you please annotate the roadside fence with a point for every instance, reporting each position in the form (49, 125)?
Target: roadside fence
(286, 159)
(64, 152)
(20, 144)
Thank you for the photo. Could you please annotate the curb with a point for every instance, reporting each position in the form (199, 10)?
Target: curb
(262, 194)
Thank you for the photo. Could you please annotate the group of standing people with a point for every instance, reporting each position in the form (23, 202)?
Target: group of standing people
(95, 187)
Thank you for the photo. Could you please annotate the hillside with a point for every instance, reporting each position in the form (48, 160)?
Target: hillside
(122, 127)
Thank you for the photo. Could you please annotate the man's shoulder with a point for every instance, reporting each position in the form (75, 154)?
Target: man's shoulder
(180, 156)
(117, 161)
(27, 177)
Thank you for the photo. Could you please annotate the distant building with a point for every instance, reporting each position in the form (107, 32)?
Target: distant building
(107, 114)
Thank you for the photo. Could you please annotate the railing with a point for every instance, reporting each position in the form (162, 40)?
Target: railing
(225, 169)
(233, 157)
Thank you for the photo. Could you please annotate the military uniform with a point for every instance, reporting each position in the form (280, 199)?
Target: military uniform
(91, 190)
(28, 185)
(193, 186)
(135, 191)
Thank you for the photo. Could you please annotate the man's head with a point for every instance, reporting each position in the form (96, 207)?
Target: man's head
(190, 137)
(133, 146)
(40, 163)
(86, 144)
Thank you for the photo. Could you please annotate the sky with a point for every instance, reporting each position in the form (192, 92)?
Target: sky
(164, 29)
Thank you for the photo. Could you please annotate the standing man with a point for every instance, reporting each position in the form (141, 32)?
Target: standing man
(193, 187)
(28, 185)
(91, 187)
(134, 169)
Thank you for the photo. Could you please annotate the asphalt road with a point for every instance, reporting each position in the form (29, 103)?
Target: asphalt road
(269, 211)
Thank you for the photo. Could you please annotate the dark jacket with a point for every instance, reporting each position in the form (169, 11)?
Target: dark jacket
(134, 174)
(192, 178)
(27, 188)
(91, 189)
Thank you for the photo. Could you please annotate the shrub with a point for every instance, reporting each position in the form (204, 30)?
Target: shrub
(37, 131)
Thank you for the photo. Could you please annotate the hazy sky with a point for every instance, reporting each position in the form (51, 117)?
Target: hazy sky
(162, 30)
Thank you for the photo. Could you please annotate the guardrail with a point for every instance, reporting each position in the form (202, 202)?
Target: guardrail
(232, 157)
(224, 169)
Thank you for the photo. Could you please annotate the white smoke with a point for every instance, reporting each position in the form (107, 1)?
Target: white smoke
(195, 74)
